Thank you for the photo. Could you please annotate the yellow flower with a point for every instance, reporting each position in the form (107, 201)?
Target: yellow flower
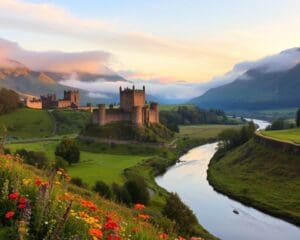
(26, 181)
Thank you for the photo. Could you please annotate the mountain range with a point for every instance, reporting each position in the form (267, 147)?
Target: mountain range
(271, 83)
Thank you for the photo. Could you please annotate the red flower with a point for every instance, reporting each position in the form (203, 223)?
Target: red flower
(163, 236)
(94, 232)
(9, 214)
(23, 200)
(13, 196)
(139, 206)
(144, 216)
(38, 182)
(21, 205)
(110, 225)
(113, 237)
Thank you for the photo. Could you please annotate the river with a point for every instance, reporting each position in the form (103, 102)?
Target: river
(188, 179)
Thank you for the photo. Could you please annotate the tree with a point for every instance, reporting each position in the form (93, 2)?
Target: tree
(121, 194)
(298, 118)
(177, 211)
(138, 190)
(103, 189)
(68, 150)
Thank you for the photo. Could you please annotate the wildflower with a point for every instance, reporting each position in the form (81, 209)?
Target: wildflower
(144, 216)
(9, 214)
(110, 225)
(139, 206)
(113, 237)
(13, 196)
(95, 233)
(38, 182)
(58, 172)
(163, 236)
(26, 181)
(21, 205)
(23, 200)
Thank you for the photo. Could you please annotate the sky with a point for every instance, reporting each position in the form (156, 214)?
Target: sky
(167, 41)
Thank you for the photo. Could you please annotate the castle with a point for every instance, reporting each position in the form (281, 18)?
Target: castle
(133, 108)
(71, 100)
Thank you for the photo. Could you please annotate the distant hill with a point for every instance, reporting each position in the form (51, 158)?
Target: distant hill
(256, 89)
(35, 83)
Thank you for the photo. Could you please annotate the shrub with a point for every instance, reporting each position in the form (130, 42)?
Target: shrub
(177, 211)
(68, 150)
(79, 182)
(38, 159)
(103, 189)
(121, 194)
(60, 163)
(298, 118)
(138, 190)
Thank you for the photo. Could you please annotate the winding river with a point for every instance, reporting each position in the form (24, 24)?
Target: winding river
(188, 179)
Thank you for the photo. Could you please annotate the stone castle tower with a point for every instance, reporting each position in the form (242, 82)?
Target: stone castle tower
(133, 108)
(73, 97)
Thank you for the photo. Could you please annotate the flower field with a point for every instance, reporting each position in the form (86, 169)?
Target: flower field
(49, 207)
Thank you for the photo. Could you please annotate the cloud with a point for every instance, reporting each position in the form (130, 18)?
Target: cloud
(274, 63)
(89, 61)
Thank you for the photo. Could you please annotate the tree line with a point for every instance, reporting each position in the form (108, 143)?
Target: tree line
(185, 115)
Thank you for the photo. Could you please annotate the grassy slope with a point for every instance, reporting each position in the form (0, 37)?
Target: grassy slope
(69, 121)
(93, 166)
(260, 176)
(27, 123)
(290, 135)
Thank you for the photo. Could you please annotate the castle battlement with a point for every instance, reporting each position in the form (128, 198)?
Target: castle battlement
(133, 108)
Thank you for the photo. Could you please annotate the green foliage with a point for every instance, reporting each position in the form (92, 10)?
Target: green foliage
(103, 189)
(60, 163)
(68, 150)
(177, 211)
(79, 182)
(127, 131)
(298, 118)
(231, 138)
(262, 176)
(121, 194)
(280, 124)
(69, 121)
(138, 190)
(9, 100)
(38, 159)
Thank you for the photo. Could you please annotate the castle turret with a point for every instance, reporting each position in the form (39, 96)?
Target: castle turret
(137, 116)
(101, 114)
(154, 112)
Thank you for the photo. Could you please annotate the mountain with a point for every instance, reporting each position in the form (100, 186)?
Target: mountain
(35, 83)
(259, 87)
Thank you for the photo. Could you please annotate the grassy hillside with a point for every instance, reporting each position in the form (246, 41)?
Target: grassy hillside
(260, 176)
(27, 123)
(50, 208)
(289, 135)
(127, 131)
(69, 121)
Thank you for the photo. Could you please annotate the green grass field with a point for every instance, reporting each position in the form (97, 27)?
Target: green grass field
(27, 123)
(289, 135)
(93, 166)
(261, 176)
(203, 131)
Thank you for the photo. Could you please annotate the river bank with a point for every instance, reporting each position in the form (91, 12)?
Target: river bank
(215, 212)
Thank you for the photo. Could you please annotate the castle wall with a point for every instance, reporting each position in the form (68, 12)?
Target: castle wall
(114, 115)
(153, 116)
(34, 104)
(63, 104)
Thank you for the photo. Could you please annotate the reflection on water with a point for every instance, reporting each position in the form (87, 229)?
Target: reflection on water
(214, 210)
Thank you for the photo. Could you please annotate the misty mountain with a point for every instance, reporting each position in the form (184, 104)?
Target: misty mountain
(255, 90)
(35, 83)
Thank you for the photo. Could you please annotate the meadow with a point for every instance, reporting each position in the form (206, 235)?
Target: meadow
(288, 135)
(26, 123)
